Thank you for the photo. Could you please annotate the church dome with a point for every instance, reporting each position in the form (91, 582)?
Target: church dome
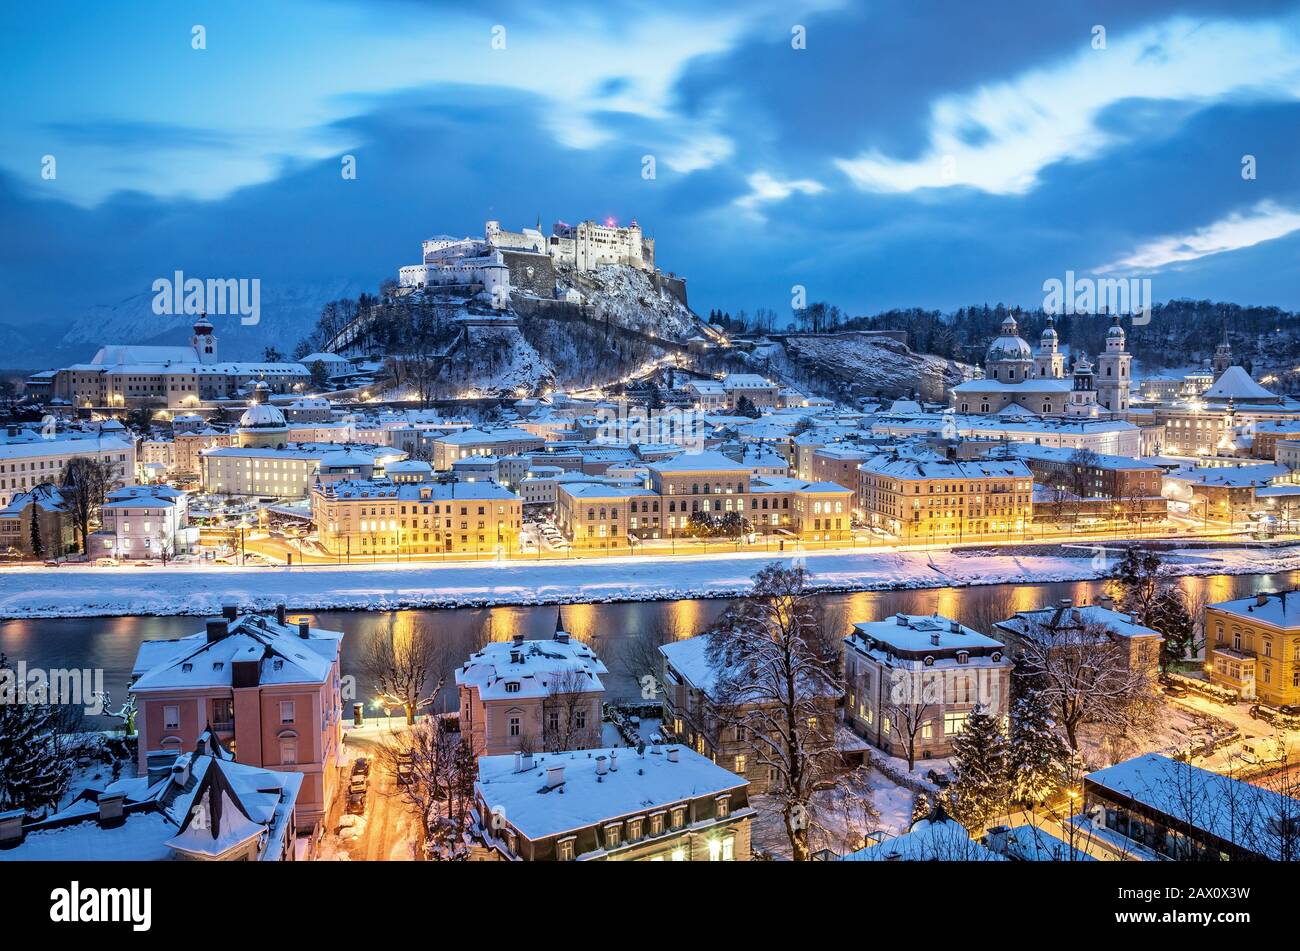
(262, 416)
(1049, 332)
(1009, 346)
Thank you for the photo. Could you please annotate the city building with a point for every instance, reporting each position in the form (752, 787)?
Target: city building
(649, 804)
(912, 681)
(1066, 622)
(288, 472)
(1162, 808)
(201, 805)
(725, 734)
(25, 463)
(921, 499)
(268, 689)
(144, 522)
(532, 695)
(1254, 647)
(449, 447)
(55, 531)
(368, 518)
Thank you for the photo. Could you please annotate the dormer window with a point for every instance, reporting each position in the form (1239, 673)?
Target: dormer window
(512, 686)
(963, 657)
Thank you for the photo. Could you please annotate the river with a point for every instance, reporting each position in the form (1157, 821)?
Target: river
(613, 629)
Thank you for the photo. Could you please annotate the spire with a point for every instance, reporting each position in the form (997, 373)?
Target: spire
(559, 621)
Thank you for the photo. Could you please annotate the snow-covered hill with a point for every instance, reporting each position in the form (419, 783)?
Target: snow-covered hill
(857, 365)
(629, 297)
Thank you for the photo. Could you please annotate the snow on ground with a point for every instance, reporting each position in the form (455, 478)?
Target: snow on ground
(85, 591)
(841, 817)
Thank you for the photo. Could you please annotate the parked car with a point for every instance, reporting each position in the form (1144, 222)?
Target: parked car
(361, 765)
(106, 562)
(52, 564)
(1175, 690)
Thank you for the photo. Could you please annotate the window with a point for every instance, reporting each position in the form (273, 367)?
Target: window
(927, 730)
(679, 817)
(740, 763)
(514, 726)
(613, 835)
(171, 717)
(512, 686)
(657, 823)
(288, 750)
(286, 711)
(954, 723)
(564, 850)
(579, 719)
(634, 829)
(724, 806)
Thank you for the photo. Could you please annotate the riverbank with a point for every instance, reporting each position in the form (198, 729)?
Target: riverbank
(202, 590)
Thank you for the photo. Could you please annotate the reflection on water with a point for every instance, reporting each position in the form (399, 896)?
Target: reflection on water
(111, 643)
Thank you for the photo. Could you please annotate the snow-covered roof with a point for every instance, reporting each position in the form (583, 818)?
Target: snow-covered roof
(1278, 609)
(935, 839)
(707, 461)
(478, 436)
(1236, 384)
(418, 491)
(637, 785)
(521, 668)
(282, 655)
(1239, 477)
(1229, 809)
(900, 467)
(69, 445)
(1066, 617)
(917, 633)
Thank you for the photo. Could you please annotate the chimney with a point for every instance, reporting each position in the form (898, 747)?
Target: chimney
(1066, 603)
(934, 639)
(672, 754)
(554, 776)
(602, 765)
(181, 771)
(217, 629)
(1261, 600)
(613, 761)
(11, 828)
(519, 761)
(562, 637)
(516, 657)
(998, 838)
(1107, 602)
(518, 640)
(527, 762)
(304, 629)
(902, 619)
(954, 627)
(279, 614)
(229, 612)
(110, 809)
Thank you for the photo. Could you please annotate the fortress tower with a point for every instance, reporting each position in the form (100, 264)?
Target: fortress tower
(1114, 370)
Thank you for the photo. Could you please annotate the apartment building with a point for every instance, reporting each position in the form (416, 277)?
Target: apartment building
(652, 804)
(912, 682)
(27, 462)
(693, 714)
(918, 499)
(1254, 647)
(55, 527)
(144, 522)
(1065, 622)
(448, 447)
(268, 689)
(532, 695)
(371, 517)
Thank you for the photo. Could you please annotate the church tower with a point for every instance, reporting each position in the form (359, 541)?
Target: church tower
(1083, 397)
(204, 341)
(1049, 362)
(1114, 370)
(1222, 354)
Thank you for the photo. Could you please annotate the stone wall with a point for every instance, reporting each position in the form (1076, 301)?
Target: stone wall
(530, 273)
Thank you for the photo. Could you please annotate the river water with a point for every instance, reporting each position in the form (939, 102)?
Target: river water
(613, 629)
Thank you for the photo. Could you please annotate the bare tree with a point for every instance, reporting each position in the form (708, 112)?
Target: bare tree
(85, 483)
(775, 673)
(912, 696)
(568, 722)
(435, 771)
(1084, 674)
(639, 656)
(408, 663)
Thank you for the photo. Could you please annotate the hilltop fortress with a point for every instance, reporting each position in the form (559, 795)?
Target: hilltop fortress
(526, 260)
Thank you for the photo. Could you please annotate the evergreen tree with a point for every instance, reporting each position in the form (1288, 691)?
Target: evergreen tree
(1039, 757)
(1169, 616)
(745, 407)
(982, 789)
(38, 544)
(33, 773)
(921, 805)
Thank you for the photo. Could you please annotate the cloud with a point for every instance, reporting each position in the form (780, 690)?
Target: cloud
(764, 188)
(1266, 221)
(1053, 114)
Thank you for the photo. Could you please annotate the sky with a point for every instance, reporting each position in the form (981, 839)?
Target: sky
(874, 154)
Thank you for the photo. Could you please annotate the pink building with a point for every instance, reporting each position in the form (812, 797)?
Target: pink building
(269, 690)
